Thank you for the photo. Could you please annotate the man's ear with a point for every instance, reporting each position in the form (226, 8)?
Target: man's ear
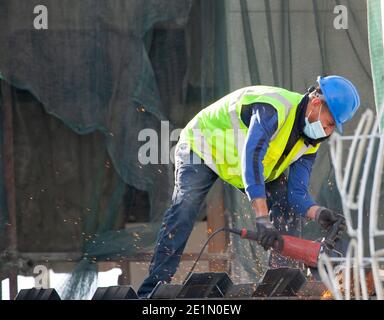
(317, 102)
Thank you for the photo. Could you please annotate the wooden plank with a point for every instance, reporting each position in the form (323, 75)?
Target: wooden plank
(9, 177)
(216, 219)
(137, 257)
(125, 277)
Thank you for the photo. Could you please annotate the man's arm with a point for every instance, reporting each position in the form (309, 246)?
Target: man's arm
(301, 200)
(262, 125)
(298, 184)
(260, 207)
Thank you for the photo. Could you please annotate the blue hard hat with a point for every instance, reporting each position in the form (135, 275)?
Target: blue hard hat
(341, 97)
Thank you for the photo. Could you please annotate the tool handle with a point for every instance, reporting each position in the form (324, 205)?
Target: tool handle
(306, 251)
(334, 233)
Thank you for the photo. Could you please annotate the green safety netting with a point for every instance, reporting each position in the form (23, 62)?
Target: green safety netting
(376, 45)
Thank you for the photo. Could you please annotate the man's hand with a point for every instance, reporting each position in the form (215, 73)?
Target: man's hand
(267, 234)
(326, 218)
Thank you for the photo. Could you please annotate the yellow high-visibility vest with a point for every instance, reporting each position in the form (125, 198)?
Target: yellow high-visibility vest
(217, 134)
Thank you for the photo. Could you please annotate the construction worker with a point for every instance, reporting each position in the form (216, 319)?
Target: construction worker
(248, 139)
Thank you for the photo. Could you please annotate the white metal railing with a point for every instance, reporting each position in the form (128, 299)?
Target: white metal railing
(358, 164)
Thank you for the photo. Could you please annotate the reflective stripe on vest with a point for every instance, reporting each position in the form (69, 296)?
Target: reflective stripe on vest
(240, 137)
(302, 151)
(202, 145)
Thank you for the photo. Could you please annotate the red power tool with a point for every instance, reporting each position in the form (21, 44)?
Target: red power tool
(306, 251)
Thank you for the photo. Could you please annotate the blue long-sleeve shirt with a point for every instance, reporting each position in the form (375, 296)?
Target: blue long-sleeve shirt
(262, 122)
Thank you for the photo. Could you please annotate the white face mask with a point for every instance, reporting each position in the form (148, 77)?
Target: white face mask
(315, 129)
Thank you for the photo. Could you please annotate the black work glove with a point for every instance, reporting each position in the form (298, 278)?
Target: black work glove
(267, 234)
(326, 218)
